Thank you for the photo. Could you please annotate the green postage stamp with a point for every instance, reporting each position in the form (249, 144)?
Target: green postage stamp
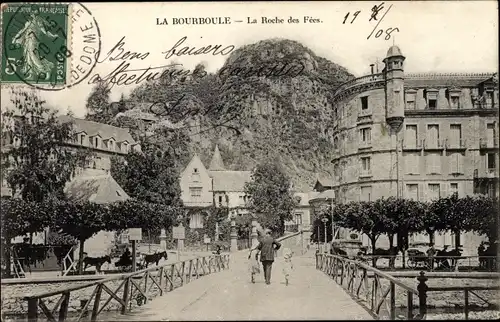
(38, 41)
(35, 43)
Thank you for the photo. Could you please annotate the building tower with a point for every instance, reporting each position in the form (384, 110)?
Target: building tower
(394, 88)
(394, 100)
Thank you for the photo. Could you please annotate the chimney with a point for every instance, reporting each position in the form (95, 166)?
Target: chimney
(371, 67)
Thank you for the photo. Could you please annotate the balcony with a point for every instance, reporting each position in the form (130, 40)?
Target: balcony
(364, 145)
(365, 173)
(460, 144)
(488, 144)
(412, 145)
(434, 144)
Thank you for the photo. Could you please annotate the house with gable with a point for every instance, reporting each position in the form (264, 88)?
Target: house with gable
(217, 186)
(202, 187)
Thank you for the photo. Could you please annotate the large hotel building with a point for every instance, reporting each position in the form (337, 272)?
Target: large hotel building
(420, 136)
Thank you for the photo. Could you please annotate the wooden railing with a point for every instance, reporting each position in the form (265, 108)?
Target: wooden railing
(467, 291)
(456, 263)
(155, 280)
(369, 291)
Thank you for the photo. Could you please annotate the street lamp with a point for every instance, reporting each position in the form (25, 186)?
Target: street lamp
(325, 220)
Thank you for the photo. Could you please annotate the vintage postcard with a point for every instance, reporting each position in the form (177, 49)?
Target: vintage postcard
(305, 160)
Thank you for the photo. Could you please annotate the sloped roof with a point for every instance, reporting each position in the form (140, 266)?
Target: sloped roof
(138, 114)
(394, 51)
(104, 130)
(96, 188)
(325, 181)
(230, 180)
(437, 80)
(326, 195)
(216, 164)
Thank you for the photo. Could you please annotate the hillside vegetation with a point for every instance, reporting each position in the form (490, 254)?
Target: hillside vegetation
(282, 115)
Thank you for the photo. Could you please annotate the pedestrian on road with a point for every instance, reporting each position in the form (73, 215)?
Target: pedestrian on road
(253, 263)
(287, 265)
(267, 246)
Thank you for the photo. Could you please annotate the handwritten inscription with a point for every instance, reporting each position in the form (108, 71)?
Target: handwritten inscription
(374, 16)
(205, 50)
(118, 53)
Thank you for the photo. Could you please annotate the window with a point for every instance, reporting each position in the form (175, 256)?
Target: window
(364, 103)
(412, 191)
(196, 221)
(366, 193)
(111, 145)
(298, 219)
(490, 134)
(434, 163)
(453, 188)
(412, 163)
(411, 136)
(455, 102)
(220, 199)
(96, 142)
(125, 147)
(492, 191)
(365, 165)
(455, 134)
(410, 105)
(82, 139)
(455, 161)
(195, 170)
(432, 135)
(195, 192)
(432, 103)
(365, 135)
(434, 191)
(491, 161)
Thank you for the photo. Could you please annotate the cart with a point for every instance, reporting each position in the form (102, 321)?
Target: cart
(417, 259)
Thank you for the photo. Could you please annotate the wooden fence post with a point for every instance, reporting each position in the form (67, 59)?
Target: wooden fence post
(63, 309)
(422, 295)
(126, 291)
(32, 309)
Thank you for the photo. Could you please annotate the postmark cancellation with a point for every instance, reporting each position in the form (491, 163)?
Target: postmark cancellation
(48, 46)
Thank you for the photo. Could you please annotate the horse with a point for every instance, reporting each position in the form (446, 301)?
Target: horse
(96, 261)
(155, 258)
(389, 254)
(443, 256)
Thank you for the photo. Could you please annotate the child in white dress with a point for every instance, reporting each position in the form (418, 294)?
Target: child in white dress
(253, 263)
(287, 265)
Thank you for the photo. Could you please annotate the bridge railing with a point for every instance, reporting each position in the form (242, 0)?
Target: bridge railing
(140, 286)
(369, 290)
(455, 263)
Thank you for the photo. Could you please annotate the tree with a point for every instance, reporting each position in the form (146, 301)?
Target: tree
(98, 104)
(20, 217)
(81, 221)
(217, 216)
(270, 196)
(38, 162)
(148, 176)
(483, 217)
(365, 217)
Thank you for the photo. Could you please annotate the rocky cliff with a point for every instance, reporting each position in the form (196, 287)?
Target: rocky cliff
(282, 113)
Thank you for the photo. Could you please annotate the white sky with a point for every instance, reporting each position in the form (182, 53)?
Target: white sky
(447, 36)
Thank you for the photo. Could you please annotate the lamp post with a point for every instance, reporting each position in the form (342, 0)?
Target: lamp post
(325, 220)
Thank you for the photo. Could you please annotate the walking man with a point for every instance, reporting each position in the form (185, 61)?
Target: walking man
(267, 246)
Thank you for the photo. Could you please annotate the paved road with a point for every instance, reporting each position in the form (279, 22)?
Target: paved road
(229, 295)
